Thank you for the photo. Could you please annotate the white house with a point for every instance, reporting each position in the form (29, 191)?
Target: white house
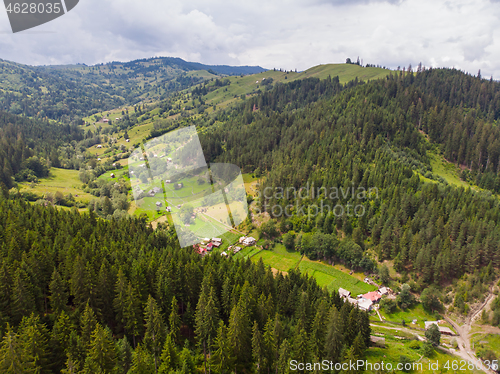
(344, 293)
(365, 304)
(249, 241)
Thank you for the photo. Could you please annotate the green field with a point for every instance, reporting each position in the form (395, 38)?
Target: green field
(415, 312)
(486, 342)
(63, 180)
(446, 170)
(331, 278)
(396, 345)
(326, 276)
(276, 261)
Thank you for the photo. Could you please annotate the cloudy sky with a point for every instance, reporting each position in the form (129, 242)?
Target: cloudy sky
(292, 34)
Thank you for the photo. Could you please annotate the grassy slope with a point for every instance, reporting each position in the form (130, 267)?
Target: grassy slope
(326, 275)
(249, 84)
(66, 181)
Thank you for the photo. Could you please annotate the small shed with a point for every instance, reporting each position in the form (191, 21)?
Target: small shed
(344, 293)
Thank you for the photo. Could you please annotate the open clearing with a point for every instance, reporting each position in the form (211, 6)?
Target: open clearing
(63, 180)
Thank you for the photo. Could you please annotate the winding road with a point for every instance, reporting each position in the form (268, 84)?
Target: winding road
(463, 338)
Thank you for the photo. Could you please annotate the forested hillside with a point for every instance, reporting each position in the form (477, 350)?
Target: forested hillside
(28, 147)
(69, 92)
(85, 295)
(376, 135)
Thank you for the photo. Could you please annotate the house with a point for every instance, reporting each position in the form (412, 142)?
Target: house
(154, 191)
(169, 209)
(236, 249)
(99, 146)
(344, 293)
(210, 246)
(217, 242)
(373, 296)
(167, 181)
(384, 291)
(98, 159)
(112, 175)
(127, 140)
(159, 204)
(249, 241)
(105, 120)
(365, 304)
(242, 239)
(224, 254)
(442, 329)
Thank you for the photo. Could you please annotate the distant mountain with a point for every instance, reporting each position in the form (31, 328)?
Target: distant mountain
(67, 92)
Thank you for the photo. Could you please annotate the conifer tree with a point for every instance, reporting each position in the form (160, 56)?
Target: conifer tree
(13, 357)
(169, 356)
(154, 336)
(284, 358)
(88, 323)
(174, 320)
(58, 295)
(124, 356)
(101, 355)
(257, 347)
(222, 359)
(33, 336)
(334, 339)
(142, 361)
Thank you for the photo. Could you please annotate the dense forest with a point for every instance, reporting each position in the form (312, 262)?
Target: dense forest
(28, 147)
(67, 93)
(377, 135)
(86, 295)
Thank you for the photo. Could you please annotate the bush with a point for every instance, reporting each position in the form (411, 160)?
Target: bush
(427, 350)
(415, 344)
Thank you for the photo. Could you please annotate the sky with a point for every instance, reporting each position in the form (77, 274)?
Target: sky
(292, 34)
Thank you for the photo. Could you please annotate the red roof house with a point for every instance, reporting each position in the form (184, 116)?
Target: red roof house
(373, 296)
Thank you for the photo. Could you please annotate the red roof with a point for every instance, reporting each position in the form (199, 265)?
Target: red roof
(373, 296)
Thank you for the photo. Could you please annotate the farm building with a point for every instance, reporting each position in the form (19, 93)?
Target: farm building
(248, 241)
(98, 146)
(210, 246)
(217, 242)
(105, 120)
(112, 175)
(373, 296)
(169, 209)
(224, 254)
(344, 293)
(385, 291)
(236, 249)
(365, 304)
(442, 329)
(159, 204)
(154, 191)
(167, 181)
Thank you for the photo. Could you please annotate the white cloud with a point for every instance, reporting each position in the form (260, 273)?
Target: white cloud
(288, 34)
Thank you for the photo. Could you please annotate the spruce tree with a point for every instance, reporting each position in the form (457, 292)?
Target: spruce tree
(154, 336)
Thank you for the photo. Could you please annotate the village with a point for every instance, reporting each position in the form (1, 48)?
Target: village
(370, 301)
(207, 245)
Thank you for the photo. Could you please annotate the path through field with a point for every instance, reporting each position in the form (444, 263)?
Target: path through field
(463, 339)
